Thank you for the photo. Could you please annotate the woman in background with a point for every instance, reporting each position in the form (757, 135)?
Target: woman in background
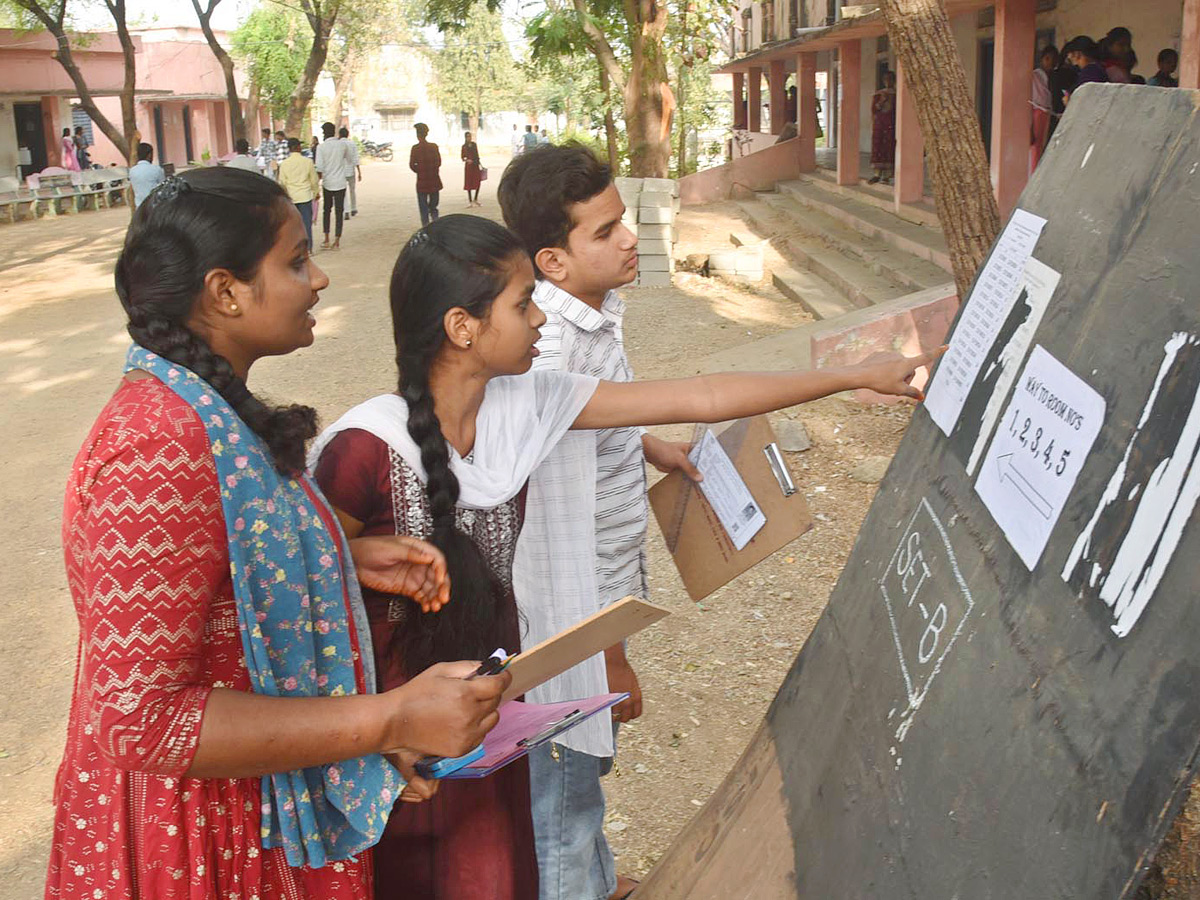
(883, 130)
(472, 170)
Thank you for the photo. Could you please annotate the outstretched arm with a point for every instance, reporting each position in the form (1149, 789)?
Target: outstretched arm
(732, 395)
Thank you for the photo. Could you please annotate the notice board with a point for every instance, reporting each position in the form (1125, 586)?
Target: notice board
(1002, 697)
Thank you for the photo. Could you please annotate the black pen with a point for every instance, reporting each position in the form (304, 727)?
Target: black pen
(494, 664)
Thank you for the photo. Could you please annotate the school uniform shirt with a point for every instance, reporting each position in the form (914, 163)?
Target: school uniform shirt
(333, 162)
(298, 176)
(583, 544)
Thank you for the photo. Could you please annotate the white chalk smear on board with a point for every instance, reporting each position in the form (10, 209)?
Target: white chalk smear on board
(1038, 282)
(987, 307)
(1087, 155)
(1164, 506)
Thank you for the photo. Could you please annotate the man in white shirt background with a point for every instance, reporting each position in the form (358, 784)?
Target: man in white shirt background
(335, 168)
(356, 170)
(516, 141)
(243, 159)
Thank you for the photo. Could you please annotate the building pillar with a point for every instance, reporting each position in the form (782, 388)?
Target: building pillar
(850, 64)
(806, 109)
(1189, 46)
(739, 100)
(776, 75)
(910, 149)
(754, 98)
(1012, 79)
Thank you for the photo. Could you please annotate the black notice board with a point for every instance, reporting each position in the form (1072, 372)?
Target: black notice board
(1029, 751)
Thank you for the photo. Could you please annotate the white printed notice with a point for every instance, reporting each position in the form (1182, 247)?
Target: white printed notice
(987, 307)
(726, 492)
(1040, 445)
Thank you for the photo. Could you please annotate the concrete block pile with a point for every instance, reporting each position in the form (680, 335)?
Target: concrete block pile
(651, 205)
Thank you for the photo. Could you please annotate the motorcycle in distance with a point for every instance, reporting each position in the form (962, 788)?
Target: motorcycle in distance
(382, 151)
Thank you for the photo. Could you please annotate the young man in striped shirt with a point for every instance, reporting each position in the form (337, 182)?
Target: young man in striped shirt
(582, 544)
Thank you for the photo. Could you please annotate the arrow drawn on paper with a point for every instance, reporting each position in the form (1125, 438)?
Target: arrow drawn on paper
(1023, 485)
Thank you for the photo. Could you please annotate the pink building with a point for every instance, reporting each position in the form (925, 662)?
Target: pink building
(182, 107)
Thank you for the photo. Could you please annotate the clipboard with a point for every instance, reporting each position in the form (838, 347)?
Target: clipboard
(524, 726)
(573, 645)
(704, 555)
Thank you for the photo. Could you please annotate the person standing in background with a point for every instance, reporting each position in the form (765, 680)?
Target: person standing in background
(529, 140)
(145, 176)
(472, 170)
(517, 143)
(298, 176)
(266, 155)
(1168, 62)
(243, 159)
(356, 170)
(883, 130)
(333, 165)
(1117, 56)
(81, 145)
(1043, 104)
(70, 161)
(426, 161)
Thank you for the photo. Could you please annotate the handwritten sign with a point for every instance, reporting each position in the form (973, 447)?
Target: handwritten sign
(987, 307)
(1043, 438)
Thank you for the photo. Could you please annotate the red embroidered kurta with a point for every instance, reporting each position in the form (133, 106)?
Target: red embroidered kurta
(148, 568)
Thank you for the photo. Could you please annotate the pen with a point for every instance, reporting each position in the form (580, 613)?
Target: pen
(494, 664)
(551, 730)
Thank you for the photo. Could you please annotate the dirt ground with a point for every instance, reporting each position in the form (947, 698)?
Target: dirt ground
(708, 671)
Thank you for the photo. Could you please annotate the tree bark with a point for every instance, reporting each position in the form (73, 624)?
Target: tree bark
(341, 85)
(252, 106)
(610, 123)
(54, 23)
(236, 120)
(321, 18)
(649, 103)
(920, 32)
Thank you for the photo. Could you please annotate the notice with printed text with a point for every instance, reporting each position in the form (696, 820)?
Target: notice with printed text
(987, 307)
(1040, 446)
(726, 491)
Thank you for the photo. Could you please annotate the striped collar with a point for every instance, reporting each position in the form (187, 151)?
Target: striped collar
(552, 298)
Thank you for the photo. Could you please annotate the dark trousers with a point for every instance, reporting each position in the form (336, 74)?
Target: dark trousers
(427, 203)
(335, 200)
(305, 210)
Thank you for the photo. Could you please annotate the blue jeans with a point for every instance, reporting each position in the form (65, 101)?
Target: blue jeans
(305, 210)
(428, 205)
(574, 859)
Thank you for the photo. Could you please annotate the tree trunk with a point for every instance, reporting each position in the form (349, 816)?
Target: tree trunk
(236, 120)
(962, 185)
(649, 102)
(341, 86)
(610, 124)
(321, 21)
(250, 120)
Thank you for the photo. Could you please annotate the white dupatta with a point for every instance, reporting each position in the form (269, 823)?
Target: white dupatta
(520, 421)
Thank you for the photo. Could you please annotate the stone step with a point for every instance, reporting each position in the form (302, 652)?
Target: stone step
(912, 272)
(849, 275)
(919, 240)
(923, 212)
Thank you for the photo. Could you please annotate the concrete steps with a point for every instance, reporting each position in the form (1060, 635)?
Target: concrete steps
(834, 282)
(878, 195)
(923, 241)
(879, 256)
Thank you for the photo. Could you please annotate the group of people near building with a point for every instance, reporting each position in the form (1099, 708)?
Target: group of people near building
(74, 150)
(529, 139)
(273, 632)
(1082, 61)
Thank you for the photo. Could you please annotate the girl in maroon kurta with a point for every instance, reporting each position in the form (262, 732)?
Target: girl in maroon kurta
(472, 170)
(474, 839)
(883, 129)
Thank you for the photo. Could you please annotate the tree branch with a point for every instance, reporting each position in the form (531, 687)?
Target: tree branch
(600, 45)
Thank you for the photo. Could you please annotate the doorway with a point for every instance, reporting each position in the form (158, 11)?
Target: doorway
(31, 136)
(983, 93)
(159, 137)
(188, 153)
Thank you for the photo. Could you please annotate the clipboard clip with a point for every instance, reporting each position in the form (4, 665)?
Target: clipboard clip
(552, 730)
(779, 469)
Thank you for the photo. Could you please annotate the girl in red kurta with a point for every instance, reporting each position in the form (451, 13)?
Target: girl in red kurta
(171, 726)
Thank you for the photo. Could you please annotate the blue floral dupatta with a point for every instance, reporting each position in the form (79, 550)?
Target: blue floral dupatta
(295, 614)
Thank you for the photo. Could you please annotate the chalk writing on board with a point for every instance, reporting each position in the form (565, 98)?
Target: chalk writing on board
(927, 600)
(986, 309)
(1044, 436)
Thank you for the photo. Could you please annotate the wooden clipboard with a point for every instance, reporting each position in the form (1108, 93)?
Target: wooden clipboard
(704, 555)
(568, 648)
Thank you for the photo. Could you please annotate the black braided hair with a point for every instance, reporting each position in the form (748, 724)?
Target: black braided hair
(455, 261)
(189, 225)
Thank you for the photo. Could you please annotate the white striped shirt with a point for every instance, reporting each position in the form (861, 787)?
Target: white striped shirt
(583, 543)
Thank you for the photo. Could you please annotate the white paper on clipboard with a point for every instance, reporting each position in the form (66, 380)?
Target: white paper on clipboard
(726, 491)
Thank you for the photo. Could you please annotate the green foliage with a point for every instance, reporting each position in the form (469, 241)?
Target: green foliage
(474, 72)
(273, 45)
